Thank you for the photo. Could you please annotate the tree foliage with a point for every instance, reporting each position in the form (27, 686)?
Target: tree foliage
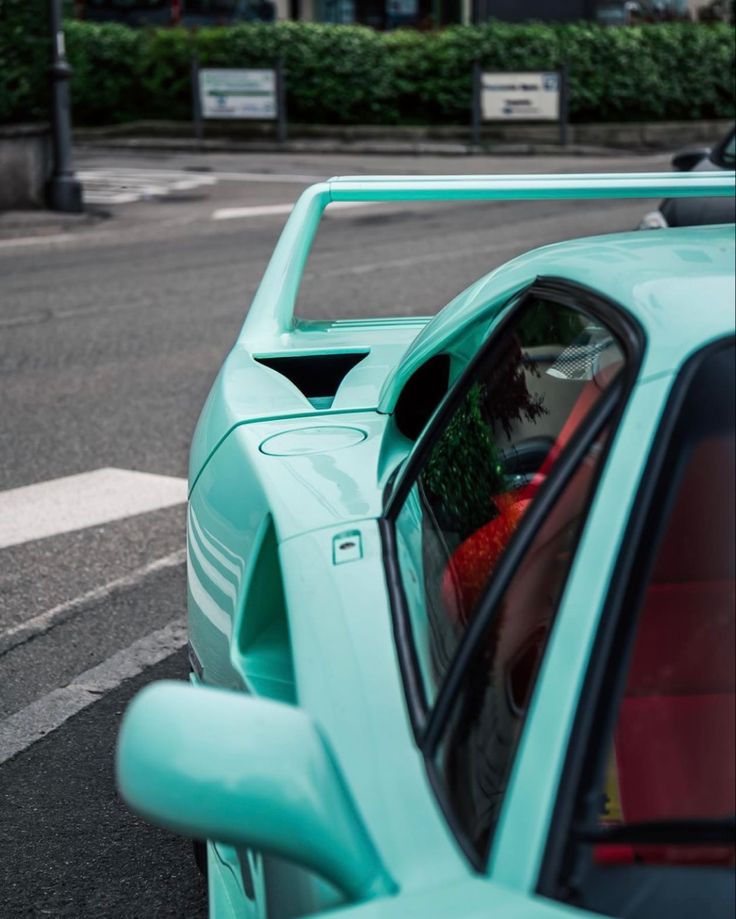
(354, 75)
(24, 58)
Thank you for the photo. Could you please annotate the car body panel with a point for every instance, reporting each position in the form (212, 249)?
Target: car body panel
(246, 391)
(471, 898)
(227, 898)
(657, 278)
(338, 621)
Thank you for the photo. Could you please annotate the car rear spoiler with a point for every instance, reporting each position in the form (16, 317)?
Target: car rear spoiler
(272, 311)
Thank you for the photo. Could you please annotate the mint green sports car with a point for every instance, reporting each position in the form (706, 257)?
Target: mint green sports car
(461, 590)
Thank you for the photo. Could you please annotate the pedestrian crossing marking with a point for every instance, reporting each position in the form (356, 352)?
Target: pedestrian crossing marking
(88, 499)
(125, 185)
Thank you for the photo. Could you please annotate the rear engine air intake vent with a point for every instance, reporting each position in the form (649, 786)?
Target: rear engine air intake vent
(421, 395)
(317, 376)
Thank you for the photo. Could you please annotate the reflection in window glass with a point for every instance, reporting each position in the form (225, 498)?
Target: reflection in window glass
(547, 371)
(476, 757)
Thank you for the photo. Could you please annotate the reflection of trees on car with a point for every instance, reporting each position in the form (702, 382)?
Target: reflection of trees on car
(466, 468)
(464, 465)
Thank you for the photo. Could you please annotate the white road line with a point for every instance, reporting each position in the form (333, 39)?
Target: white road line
(22, 729)
(280, 178)
(38, 625)
(85, 500)
(36, 240)
(266, 210)
(123, 186)
(204, 176)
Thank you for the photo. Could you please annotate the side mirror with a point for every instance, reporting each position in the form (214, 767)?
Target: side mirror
(687, 159)
(212, 764)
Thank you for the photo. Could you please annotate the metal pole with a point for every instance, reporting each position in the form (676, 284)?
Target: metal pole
(281, 121)
(563, 104)
(197, 101)
(476, 102)
(63, 189)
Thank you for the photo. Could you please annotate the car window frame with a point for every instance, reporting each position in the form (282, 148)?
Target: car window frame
(428, 722)
(605, 679)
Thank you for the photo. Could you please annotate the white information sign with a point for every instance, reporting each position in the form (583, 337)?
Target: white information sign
(531, 96)
(238, 93)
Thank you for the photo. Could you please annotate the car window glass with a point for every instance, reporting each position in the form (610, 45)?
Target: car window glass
(476, 755)
(673, 751)
(545, 371)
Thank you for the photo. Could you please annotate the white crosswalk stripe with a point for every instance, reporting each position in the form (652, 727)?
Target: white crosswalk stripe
(125, 185)
(23, 728)
(84, 500)
(45, 513)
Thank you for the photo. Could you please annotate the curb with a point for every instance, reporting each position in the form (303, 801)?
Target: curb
(39, 223)
(605, 139)
(378, 148)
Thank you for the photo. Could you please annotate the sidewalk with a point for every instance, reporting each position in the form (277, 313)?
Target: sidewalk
(412, 140)
(43, 224)
(333, 146)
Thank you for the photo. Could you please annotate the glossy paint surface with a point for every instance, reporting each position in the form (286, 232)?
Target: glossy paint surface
(675, 283)
(286, 578)
(184, 746)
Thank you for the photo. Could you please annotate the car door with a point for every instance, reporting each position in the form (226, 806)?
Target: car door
(482, 529)
(644, 822)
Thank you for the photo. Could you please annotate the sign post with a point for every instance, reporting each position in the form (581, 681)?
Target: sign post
(239, 95)
(564, 99)
(280, 102)
(196, 104)
(520, 96)
(477, 78)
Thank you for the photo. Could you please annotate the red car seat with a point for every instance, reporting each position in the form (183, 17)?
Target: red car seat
(675, 739)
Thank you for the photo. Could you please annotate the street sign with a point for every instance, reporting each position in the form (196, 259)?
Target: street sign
(521, 96)
(533, 95)
(241, 94)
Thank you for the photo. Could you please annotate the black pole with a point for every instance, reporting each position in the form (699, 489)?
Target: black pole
(476, 102)
(197, 101)
(63, 189)
(281, 120)
(564, 103)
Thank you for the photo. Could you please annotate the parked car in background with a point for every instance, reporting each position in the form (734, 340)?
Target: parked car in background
(461, 589)
(690, 212)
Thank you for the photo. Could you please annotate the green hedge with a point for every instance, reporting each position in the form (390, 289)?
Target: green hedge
(351, 74)
(24, 51)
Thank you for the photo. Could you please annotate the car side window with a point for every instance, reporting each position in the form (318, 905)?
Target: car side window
(475, 757)
(652, 829)
(499, 440)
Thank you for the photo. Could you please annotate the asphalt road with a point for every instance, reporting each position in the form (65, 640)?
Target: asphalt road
(111, 331)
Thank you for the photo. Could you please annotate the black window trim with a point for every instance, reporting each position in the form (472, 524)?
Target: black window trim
(427, 726)
(605, 680)
(518, 547)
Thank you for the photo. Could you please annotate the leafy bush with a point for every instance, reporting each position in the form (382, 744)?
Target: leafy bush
(24, 57)
(353, 75)
(107, 70)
